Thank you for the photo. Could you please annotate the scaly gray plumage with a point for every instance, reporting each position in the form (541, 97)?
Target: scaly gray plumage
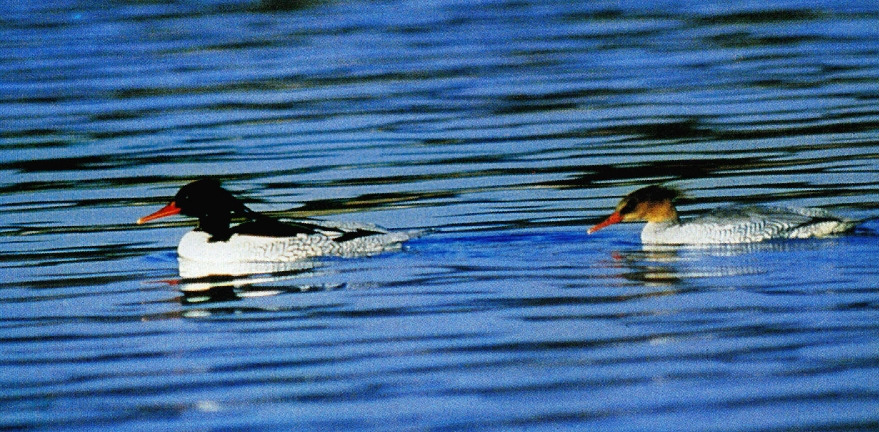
(747, 224)
(196, 245)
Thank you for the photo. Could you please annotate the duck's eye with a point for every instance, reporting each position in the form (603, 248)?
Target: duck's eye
(628, 207)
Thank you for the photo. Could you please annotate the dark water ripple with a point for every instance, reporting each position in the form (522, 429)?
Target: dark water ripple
(507, 127)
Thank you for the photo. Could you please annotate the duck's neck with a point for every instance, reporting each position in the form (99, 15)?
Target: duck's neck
(219, 224)
(661, 213)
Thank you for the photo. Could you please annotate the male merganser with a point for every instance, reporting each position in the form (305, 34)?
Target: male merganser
(262, 238)
(730, 225)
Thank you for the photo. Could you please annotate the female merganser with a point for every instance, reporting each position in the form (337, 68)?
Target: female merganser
(262, 238)
(747, 224)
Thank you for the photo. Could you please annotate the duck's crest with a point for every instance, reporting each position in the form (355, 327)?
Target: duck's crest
(655, 193)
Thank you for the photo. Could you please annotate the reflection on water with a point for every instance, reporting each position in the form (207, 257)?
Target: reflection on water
(674, 265)
(509, 128)
(220, 282)
(218, 290)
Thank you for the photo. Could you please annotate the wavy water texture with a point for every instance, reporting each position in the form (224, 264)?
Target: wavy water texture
(506, 128)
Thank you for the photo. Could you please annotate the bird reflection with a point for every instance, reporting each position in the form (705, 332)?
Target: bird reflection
(653, 268)
(203, 283)
(670, 266)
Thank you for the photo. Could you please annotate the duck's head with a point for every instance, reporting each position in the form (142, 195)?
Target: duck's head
(206, 200)
(650, 204)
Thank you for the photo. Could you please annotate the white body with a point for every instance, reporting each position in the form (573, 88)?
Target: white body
(747, 225)
(195, 246)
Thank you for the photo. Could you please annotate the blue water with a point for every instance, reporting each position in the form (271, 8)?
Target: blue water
(504, 128)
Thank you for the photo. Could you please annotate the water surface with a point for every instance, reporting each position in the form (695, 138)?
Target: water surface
(506, 128)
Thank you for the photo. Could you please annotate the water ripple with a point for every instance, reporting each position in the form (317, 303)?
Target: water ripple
(507, 128)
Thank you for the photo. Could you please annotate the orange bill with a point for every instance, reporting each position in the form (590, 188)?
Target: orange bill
(616, 217)
(169, 210)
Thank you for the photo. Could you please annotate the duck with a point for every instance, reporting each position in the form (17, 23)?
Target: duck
(261, 238)
(727, 225)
